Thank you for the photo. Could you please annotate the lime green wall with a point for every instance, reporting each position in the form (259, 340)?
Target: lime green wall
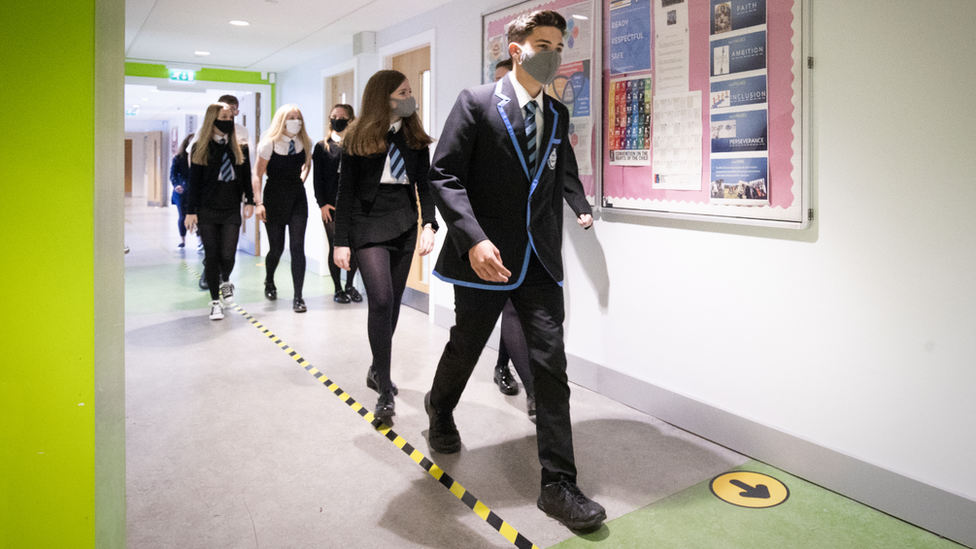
(47, 426)
(149, 70)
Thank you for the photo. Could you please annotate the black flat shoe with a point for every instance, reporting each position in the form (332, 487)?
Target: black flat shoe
(353, 294)
(372, 384)
(299, 305)
(385, 406)
(203, 284)
(506, 383)
(340, 297)
(270, 291)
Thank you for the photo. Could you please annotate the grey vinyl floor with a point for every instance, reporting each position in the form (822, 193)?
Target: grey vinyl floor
(231, 443)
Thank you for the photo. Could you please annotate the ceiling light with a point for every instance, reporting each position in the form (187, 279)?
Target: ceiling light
(145, 99)
(201, 53)
(581, 17)
(239, 23)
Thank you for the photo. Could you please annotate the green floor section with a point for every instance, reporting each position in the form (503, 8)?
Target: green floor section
(811, 518)
(145, 283)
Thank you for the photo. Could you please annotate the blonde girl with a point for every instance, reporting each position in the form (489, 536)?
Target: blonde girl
(285, 156)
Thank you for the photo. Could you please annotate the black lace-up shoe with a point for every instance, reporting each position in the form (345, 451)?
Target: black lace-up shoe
(565, 502)
(443, 435)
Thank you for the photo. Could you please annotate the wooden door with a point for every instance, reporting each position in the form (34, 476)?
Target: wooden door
(342, 90)
(414, 65)
(128, 167)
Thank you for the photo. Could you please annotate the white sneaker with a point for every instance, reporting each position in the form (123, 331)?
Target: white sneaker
(226, 293)
(216, 311)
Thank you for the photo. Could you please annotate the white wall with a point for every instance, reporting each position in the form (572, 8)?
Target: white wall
(858, 334)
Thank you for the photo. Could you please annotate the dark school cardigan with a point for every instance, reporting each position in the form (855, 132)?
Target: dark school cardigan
(359, 183)
(205, 184)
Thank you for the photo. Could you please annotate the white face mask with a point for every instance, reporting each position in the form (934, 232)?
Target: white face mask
(293, 126)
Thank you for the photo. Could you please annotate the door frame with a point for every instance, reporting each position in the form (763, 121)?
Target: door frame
(415, 42)
(414, 298)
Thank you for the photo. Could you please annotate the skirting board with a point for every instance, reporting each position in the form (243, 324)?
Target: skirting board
(943, 513)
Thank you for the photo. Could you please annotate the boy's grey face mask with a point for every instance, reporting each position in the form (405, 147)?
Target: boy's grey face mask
(405, 107)
(542, 65)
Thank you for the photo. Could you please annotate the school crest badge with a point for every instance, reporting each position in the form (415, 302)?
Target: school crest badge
(552, 160)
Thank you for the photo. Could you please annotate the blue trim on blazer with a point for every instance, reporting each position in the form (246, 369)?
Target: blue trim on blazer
(504, 100)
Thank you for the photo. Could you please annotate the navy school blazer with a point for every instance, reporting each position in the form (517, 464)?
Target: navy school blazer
(484, 189)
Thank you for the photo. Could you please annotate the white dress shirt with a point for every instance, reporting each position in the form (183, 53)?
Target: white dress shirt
(279, 146)
(523, 99)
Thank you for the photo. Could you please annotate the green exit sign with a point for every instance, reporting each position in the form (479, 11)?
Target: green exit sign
(179, 75)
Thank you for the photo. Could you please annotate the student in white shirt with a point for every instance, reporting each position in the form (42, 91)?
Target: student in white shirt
(285, 156)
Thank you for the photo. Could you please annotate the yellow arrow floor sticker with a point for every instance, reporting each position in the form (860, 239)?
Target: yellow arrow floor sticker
(480, 509)
(748, 489)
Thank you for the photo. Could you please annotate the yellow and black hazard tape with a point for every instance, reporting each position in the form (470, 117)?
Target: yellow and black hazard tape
(466, 497)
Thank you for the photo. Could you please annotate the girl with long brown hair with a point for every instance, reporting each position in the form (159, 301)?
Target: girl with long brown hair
(385, 160)
(220, 174)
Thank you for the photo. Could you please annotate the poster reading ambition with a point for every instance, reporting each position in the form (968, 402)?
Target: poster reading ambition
(738, 103)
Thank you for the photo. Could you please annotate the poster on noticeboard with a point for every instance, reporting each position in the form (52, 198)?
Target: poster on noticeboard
(719, 129)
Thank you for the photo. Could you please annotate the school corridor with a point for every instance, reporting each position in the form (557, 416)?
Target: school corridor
(234, 439)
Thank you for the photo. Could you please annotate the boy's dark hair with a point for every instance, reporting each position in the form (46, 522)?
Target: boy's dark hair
(520, 29)
(506, 64)
(229, 99)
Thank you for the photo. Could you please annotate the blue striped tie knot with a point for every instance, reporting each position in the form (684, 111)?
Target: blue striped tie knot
(291, 147)
(530, 132)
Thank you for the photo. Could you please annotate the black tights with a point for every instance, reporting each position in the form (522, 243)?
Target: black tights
(512, 345)
(276, 245)
(334, 269)
(384, 274)
(220, 252)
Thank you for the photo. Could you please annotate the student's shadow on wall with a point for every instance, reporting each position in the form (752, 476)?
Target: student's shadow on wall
(585, 246)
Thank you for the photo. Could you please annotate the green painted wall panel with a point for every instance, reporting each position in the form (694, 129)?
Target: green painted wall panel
(47, 448)
(150, 70)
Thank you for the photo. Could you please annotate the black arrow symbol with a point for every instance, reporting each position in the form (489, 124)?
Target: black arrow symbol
(760, 491)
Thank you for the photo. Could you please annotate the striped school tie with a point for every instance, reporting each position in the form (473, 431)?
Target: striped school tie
(226, 168)
(530, 132)
(291, 147)
(398, 167)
